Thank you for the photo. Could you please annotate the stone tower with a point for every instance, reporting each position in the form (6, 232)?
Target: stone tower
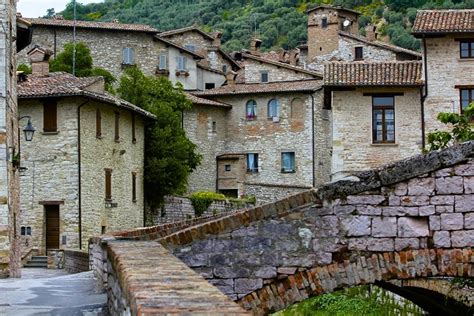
(324, 23)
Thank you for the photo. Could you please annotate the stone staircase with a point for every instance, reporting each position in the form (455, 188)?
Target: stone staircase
(37, 262)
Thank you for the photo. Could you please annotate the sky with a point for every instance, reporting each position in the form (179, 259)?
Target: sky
(37, 8)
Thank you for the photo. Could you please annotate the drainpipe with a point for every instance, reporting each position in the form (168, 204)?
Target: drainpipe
(312, 139)
(424, 94)
(55, 43)
(79, 169)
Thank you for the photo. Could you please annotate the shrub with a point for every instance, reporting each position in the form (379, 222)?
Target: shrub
(202, 200)
(25, 68)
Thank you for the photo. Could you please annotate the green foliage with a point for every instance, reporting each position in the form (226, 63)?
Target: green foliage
(277, 22)
(25, 68)
(202, 200)
(169, 155)
(84, 64)
(362, 300)
(461, 129)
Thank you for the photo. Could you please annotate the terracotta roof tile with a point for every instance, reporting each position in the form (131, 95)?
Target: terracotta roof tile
(271, 87)
(444, 21)
(61, 84)
(186, 29)
(201, 101)
(93, 25)
(402, 73)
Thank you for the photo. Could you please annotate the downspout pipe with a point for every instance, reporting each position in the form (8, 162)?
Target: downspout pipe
(79, 169)
(424, 94)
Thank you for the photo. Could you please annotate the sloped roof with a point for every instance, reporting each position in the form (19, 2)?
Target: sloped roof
(325, 6)
(282, 65)
(401, 73)
(61, 84)
(115, 26)
(444, 21)
(309, 85)
(380, 44)
(201, 101)
(181, 48)
(191, 28)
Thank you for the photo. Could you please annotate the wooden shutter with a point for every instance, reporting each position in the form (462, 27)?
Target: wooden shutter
(50, 116)
(117, 126)
(98, 124)
(134, 138)
(134, 186)
(108, 184)
(163, 63)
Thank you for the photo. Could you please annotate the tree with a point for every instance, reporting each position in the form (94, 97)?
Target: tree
(83, 64)
(169, 155)
(49, 13)
(460, 132)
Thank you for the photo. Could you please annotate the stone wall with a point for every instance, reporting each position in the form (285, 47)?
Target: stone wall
(10, 252)
(254, 68)
(76, 261)
(178, 208)
(352, 139)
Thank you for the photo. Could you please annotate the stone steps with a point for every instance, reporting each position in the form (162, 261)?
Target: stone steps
(37, 262)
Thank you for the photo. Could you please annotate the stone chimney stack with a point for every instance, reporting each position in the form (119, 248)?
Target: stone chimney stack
(217, 39)
(371, 32)
(255, 46)
(58, 17)
(294, 57)
(39, 59)
(231, 76)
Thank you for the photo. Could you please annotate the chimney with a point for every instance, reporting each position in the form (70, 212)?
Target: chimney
(58, 17)
(217, 39)
(283, 56)
(231, 76)
(294, 57)
(39, 59)
(370, 32)
(255, 46)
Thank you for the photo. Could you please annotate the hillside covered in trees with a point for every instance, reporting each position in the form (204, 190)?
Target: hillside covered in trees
(279, 23)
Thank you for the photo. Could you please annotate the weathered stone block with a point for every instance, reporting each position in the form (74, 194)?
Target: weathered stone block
(384, 227)
(400, 211)
(464, 169)
(196, 260)
(343, 209)
(462, 238)
(435, 222)
(401, 189)
(441, 209)
(380, 244)
(412, 227)
(326, 226)
(469, 221)
(323, 258)
(394, 200)
(286, 270)
(419, 200)
(365, 199)
(449, 185)
(265, 272)
(356, 225)
(468, 185)
(406, 243)
(464, 203)
(245, 285)
(442, 200)
(421, 186)
(426, 210)
(368, 210)
(452, 221)
(328, 244)
(357, 244)
(226, 286)
(441, 239)
(231, 272)
(446, 172)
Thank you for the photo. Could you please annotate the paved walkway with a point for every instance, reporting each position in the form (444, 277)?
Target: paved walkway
(51, 292)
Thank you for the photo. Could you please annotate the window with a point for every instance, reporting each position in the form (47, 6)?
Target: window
(26, 231)
(251, 110)
(467, 97)
(324, 22)
(273, 108)
(224, 68)
(190, 47)
(181, 63)
(50, 117)
(134, 136)
(383, 119)
(134, 186)
(264, 76)
(98, 124)
(108, 184)
(467, 48)
(103, 230)
(214, 127)
(227, 168)
(359, 53)
(23, 230)
(128, 56)
(288, 162)
(252, 162)
(163, 62)
(209, 85)
(117, 126)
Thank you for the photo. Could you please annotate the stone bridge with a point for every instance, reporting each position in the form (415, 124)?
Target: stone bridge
(406, 221)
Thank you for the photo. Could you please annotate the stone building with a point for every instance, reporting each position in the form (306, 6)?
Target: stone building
(14, 36)
(82, 174)
(448, 61)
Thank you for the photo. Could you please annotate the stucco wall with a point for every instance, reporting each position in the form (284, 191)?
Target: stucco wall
(353, 149)
(205, 76)
(253, 70)
(445, 70)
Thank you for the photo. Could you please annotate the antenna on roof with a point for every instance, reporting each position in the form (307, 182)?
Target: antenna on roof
(74, 41)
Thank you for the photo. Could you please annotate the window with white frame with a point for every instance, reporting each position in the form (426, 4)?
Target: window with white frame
(288, 162)
(128, 56)
(252, 162)
(273, 108)
(181, 63)
(163, 62)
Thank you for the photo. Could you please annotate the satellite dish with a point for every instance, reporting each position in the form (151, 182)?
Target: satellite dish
(346, 23)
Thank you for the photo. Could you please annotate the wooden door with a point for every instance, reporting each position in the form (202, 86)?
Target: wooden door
(52, 226)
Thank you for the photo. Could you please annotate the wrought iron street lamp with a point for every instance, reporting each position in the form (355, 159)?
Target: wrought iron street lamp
(29, 130)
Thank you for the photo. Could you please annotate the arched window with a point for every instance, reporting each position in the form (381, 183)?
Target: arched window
(251, 110)
(273, 108)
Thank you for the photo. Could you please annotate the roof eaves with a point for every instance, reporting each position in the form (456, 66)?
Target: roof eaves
(179, 47)
(283, 65)
(186, 29)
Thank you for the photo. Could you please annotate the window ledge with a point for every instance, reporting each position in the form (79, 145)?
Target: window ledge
(50, 133)
(467, 59)
(384, 144)
(288, 171)
(253, 118)
(252, 172)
